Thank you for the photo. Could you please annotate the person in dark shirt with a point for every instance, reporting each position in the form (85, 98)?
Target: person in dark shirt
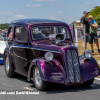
(85, 21)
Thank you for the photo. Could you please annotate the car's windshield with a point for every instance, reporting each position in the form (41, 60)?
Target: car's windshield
(44, 32)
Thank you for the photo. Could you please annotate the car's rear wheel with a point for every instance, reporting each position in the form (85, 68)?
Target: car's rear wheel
(7, 66)
(88, 83)
(38, 82)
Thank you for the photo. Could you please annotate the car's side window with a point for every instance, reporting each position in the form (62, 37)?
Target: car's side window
(10, 33)
(21, 34)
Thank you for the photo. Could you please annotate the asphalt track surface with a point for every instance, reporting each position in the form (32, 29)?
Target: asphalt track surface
(54, 92)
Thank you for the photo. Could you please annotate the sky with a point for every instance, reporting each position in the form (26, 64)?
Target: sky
(62, 10)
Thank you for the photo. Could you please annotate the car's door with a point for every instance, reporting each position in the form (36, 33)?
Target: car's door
(20, 46)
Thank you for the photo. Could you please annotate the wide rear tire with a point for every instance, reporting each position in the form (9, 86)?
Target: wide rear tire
(9, 72)
(38, 82)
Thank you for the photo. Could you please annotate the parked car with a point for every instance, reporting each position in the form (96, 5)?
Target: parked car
(98, 32)
(42, 50)
(2, 48)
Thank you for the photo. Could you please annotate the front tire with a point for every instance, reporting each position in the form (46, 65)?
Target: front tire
(9, 72)
(88, 83)
(38, 82)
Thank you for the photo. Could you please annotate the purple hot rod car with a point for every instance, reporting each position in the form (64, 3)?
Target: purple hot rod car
(43, 50)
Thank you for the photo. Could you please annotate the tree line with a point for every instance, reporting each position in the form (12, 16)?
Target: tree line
(95, 12)
(4, 26)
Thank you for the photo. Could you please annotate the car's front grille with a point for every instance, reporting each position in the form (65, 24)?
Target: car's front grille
(73, 66)
(1, 55)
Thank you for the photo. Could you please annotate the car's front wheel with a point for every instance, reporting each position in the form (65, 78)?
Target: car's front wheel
(38, 82)
(88, 83)
(7, 66)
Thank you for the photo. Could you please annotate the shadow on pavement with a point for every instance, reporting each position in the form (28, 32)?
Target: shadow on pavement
(23, 78)
(59, 88)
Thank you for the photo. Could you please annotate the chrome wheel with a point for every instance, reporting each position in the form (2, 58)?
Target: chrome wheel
(37, 77)
(7, 64)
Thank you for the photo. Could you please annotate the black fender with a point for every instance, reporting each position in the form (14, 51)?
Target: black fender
(49, 71)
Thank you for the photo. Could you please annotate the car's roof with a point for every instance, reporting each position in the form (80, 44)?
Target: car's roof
(33, 21)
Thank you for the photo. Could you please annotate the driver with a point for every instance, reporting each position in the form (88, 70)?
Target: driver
(47, 32)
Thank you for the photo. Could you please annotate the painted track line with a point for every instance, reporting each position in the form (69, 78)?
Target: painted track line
(27, 88)
(7, 85)
(97, 79)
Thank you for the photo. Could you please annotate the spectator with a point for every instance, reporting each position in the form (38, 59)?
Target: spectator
(93, 33)
(85, 21)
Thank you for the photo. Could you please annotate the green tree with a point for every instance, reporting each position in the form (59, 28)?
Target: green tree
(4, 26)
(95, 12)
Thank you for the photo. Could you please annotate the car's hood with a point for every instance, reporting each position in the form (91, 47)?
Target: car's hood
(47, 44)
(2, 46)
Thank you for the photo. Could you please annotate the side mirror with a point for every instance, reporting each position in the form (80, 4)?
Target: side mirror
(72, 29)
(73, 33)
